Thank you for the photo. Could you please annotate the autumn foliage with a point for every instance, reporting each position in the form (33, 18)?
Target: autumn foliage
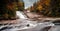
(8, 8)
(49, 8)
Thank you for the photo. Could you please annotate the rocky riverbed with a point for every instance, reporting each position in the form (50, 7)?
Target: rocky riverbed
(26, 24)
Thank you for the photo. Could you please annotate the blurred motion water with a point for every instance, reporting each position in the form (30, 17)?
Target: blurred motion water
(21, 15)
(25, 25)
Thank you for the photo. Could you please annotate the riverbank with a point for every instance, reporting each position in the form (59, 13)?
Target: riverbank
(38, 17)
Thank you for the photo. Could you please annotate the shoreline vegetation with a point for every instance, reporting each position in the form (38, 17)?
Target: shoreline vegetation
(8, 9)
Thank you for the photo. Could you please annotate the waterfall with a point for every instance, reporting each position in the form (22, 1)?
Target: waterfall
(25, 25)
(21, 15)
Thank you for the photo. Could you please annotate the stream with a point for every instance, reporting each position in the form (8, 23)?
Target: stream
(25, 25)
(21, 15)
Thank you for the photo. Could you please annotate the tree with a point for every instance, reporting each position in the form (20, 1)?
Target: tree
(8, 9)
(20, 5)
(49, 8)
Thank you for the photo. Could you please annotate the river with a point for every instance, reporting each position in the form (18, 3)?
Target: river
(21, 15)
(25, 25)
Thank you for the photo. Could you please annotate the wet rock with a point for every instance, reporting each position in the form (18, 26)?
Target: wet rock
(1, 24)
(28, 25)
(4, 28)
(46, 28)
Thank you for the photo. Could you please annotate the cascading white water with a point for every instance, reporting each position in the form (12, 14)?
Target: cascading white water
(33, 25)
(20, 15)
